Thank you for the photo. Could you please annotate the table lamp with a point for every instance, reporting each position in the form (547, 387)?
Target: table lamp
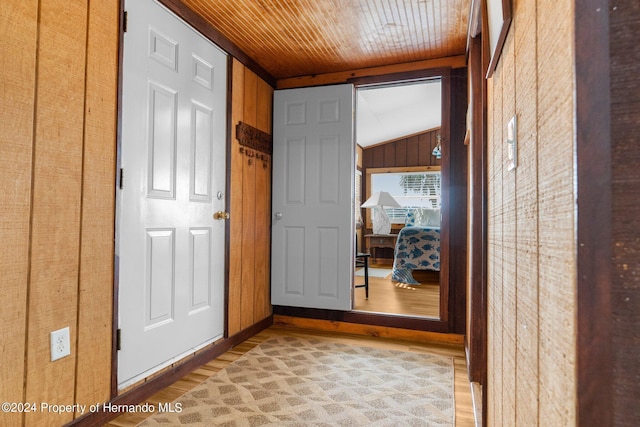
(381, 222)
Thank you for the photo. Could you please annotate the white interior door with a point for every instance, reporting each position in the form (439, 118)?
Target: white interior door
(313, 164)
(171, 250)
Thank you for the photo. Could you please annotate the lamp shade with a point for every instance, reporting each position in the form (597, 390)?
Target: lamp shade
(381, 198)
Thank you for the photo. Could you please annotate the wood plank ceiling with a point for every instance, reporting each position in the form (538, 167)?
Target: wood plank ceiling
(290, 38)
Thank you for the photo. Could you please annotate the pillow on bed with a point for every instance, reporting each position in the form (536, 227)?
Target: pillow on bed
(433, 216)
(427, 217)
(410, 219)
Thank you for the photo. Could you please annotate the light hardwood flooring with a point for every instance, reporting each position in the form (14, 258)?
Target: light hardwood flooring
(387, 296)
(464, 409)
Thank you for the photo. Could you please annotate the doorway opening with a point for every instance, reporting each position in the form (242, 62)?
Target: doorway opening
(398, 160)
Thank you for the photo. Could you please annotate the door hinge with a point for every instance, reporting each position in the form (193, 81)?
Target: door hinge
(118, 339)
(121, 178)
(124, 21)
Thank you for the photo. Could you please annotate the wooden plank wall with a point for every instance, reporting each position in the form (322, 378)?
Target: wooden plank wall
(95, 291)
(250, 240)
(18, 40)
(531, 247)
(58, 151)
(57, 136)
(412, 151)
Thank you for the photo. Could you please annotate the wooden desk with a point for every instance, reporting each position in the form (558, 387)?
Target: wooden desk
(374, 241)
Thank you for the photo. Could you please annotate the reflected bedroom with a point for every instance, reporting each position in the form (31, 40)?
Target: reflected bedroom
(398, 199)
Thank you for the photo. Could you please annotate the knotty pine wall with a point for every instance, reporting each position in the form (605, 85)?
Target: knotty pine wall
(59, 67)
(250, 222)
(531, 243)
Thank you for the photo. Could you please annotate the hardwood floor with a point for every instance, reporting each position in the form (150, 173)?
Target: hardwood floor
(464, 409)
(386, 296)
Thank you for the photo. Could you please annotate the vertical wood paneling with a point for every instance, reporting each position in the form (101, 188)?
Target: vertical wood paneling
(497, 317)
(527, 211)
(378, 157)
(70, 279)
(367, 158)
(401, 152)
(261, 297)
(492, 364)
(248, 208)
(235, 226)
(249, 264)
(18, 35)
(96, 253)
(424, 142)
(262, 300)
(556, 212)
(389, 151)
(531, 249)
(53, 289)
(509, 245)
(250, 98)
(412, 151)
(264, 104)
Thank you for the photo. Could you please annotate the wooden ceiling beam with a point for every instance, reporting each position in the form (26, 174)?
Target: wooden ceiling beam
(458, 61)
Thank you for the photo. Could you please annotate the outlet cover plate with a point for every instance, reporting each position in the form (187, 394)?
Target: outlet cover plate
(60, 344)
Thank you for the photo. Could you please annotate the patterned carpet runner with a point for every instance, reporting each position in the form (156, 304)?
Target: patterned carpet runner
(288, 381)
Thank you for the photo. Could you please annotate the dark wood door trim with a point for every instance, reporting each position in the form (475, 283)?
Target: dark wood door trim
(476, 340)
(594, 219)
(362, 318)
(454, 209)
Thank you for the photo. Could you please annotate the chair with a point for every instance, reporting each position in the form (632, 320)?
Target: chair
(362, 260)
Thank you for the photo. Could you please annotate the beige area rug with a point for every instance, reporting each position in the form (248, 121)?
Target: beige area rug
(288, 381)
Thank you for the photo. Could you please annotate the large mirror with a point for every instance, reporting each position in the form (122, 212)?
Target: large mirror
(398, 186)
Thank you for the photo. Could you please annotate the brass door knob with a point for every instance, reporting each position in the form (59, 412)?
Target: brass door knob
(221, 215)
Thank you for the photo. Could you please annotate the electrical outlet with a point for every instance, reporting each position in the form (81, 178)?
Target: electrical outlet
(60, 344)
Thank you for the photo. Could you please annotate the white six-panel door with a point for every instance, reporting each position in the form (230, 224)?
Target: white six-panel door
(170, 249)
(312, 227)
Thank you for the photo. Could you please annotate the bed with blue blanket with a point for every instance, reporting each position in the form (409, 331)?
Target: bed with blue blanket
(417, 248)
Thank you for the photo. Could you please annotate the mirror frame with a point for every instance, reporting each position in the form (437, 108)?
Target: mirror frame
(452, 295)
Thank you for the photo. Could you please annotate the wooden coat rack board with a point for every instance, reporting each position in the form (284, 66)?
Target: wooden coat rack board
(255, 144)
